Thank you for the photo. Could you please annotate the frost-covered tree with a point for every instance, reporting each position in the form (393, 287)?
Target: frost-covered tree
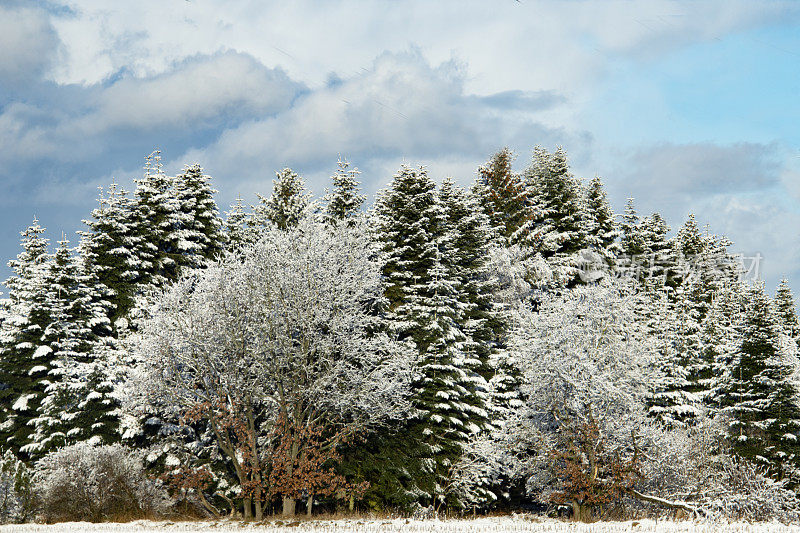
(199, 237)
(109, 250)
(785, 308)
(554, 195)
(503, 196)
(631, 238)
(602, 233)
(239, 229)
(584, 359)
(761, 396)
(423, 294)
(287, 205)
(156, 222)
(77, 404)
(345, 200)
(25, 360)
(282, 337)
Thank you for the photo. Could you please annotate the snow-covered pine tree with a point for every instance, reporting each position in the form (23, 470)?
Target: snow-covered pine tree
(346, 200)
(77, 405)
(675, 400)
(109, 250)
(761, 396)
(156, 223)
(288, 203)
(503, 196)
(239, 228)
(199, 236)
(658, 261)
(631, 239)
(785, 309)
(602, 233)
(25, 360)
(720, 338)
(423, 303)
(557, 228)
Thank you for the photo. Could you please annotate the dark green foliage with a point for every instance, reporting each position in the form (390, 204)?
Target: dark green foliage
(760, 396)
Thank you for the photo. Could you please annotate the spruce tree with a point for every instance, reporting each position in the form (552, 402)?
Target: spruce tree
(199, 236)
(503, 196)
(631, 238)
(25, 361)
(556, 201)
(345, 201)
(658, 261)
(157, 220)
(601, 230)
(77, 405)
(761, 396)
(786, 310)
(423, 304)
(109, 249)
(239, 228)
(288, 203)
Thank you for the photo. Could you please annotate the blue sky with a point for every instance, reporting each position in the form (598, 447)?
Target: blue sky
(686, 106)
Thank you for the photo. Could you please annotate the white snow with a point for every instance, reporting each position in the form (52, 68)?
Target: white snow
(22, 402)
(480, 525)
(42, 351)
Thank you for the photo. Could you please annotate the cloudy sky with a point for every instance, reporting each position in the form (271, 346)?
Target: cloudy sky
(686, 106)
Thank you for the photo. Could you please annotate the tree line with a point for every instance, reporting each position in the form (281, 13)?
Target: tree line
(514, 343)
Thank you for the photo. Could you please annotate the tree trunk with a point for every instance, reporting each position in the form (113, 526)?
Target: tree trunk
(288, 506)
(310, 504)
(259, 510)
(248, 508)
(352, 504)
(581, 512)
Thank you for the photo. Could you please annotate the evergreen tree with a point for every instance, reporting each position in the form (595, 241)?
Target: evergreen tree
(239, 228)
(25, 361)
(109, 250)
(345, 201)
(631, 238)
(503, 196)
(288, 204)
(785, 309)
(423, 303)
(77, 405)
(157, 219)
(677, 399)
(601, 230)
(657, 262)
(761, 397)
(199, 237)
(558, 224)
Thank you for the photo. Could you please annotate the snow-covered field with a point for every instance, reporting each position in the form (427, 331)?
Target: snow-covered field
(481, 525)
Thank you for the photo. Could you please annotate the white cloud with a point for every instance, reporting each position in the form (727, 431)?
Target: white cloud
(28, 43)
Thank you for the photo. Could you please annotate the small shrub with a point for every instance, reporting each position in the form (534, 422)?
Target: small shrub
(83, 482)
(17, 502)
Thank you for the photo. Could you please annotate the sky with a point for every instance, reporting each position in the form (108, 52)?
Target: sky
(688, 107)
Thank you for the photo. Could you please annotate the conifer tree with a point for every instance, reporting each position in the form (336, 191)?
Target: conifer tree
(199, 237)
(761, 397)
(658, 262)
(288, 204)
(423, 303)
(109, 250)
(601, 230)
(157, 220)
(77, 404)
(785, 309)
(26, 360)
(631, 239)
(503, 196)
(239, 228)
(556, 201)
(345, 201)
(677, 399)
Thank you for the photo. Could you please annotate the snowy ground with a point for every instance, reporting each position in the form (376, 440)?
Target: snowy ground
(481, 525)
